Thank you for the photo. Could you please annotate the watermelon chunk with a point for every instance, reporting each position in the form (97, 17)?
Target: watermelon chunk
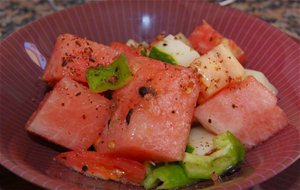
(129, 51)
(71, 116)
(153, 113)
(246, 109)
(72, 55)
(103, 166)
(204, 38)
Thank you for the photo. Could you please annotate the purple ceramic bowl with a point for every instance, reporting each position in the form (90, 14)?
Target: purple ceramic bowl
(267, 49)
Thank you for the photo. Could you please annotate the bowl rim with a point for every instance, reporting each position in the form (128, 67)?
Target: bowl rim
(20, 170)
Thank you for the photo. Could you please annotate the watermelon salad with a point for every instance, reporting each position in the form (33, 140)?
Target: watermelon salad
(163, 114)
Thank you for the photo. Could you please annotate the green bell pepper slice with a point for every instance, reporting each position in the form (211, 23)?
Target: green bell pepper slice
(171, 176)
(110, 77)
(162, 56)
(228, 153)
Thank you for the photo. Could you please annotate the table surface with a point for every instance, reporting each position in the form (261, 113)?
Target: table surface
(284, 14)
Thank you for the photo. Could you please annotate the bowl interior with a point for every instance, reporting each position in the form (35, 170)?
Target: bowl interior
(267, 49)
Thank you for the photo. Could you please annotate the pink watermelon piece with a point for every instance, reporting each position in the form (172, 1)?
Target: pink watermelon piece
(103, 166)
(71, 116)
(128, 51)
(72, 56)
(247, 109)
(153, 113)
(204, 38)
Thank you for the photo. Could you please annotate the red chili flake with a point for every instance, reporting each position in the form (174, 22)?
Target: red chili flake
(62, 104)
(234, 106)
(83, 116)
(78, 43)
(128, 116)
(112, 79)
(215, 178)
(78, 93)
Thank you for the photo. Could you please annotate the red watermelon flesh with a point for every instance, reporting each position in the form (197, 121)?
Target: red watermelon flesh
(153, 113)
(128, 51)
(71, 116)
(247, 109)
(204, 38)
(104, 166)
(72, 55)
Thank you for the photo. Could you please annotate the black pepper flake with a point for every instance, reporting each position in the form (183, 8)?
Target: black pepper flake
(143, 91)
(91, 59)
(84, 168)
(173, 111)
(64, 62)
(146, 90)
(108, 94)
(78, 93)
(209, 120)
(164, 44)
(128, 116)
(234, 106)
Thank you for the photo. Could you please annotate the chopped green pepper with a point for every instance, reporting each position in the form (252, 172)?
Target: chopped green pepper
(189, 148)
(155, 53)
(110, 77)
(228, 153)
(171, 176)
